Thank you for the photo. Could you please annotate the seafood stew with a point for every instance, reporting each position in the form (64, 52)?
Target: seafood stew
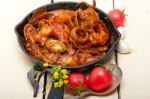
(67, 37)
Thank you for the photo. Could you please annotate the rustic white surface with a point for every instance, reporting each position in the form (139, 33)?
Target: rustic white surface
(14, 63)
(136, 66)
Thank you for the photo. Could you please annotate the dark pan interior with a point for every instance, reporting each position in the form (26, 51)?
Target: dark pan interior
(114, 38)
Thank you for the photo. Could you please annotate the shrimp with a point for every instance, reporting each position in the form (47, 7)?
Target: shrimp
(57, 30)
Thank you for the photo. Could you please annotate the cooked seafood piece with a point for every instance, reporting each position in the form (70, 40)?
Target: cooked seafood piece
(55, 46)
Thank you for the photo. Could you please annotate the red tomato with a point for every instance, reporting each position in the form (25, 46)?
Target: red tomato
(77, 82)
(100, 79)
(117, 17)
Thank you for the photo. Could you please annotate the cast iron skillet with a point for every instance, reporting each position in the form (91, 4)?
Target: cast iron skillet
(114, 38)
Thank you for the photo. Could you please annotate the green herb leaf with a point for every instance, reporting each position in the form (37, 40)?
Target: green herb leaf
(37, 68)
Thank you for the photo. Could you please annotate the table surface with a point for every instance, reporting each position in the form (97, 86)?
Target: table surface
(135, 66)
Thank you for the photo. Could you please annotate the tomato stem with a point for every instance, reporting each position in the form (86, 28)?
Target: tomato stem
(111, 70)
(123, 12)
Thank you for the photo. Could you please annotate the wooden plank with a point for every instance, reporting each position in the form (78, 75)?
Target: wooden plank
(136, 66)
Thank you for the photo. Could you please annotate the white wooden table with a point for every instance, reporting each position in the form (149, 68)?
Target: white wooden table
(15, 64)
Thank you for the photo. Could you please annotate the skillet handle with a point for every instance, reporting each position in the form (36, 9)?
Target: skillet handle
(56, 93)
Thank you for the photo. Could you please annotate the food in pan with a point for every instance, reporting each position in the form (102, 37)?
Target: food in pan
(67, 37)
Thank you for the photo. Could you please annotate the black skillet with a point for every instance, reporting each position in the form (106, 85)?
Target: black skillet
(114, 38)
